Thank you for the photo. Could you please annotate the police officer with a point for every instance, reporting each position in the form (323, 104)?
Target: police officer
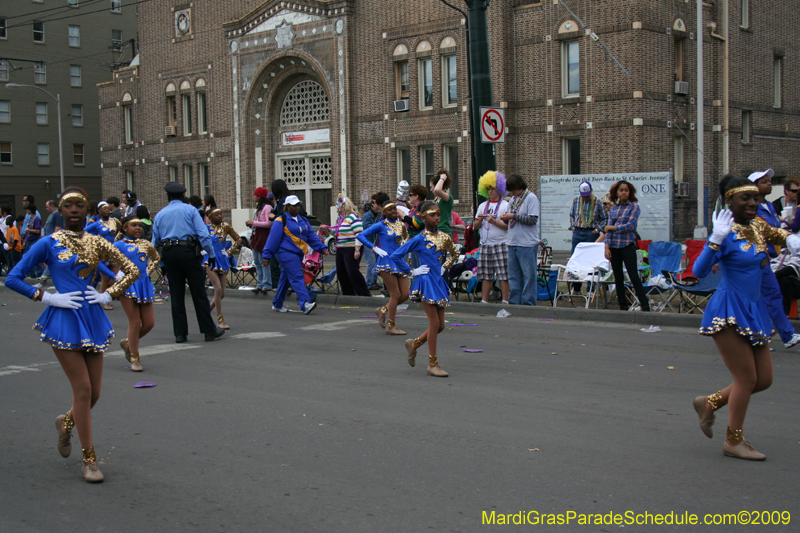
(178, 233)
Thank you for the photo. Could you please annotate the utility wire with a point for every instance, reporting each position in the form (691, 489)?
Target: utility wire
(38, 12)
(596, 38)
(105, 9)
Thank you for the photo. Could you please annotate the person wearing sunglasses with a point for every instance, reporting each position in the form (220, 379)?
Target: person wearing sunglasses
(789, 199)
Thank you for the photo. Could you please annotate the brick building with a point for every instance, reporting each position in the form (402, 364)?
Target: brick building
(231, 95)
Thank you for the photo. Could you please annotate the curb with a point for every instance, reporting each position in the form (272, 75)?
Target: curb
(518, 311)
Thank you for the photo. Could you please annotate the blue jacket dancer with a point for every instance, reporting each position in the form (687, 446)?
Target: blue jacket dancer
(390, 235)
(432, 249)
(143, 254)
(289, 240)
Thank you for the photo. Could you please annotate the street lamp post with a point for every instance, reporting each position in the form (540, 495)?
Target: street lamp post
(57, 98)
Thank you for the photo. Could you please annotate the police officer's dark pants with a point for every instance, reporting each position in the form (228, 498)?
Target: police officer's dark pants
(183, 266)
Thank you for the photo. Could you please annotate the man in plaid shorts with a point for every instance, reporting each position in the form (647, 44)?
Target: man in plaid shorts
(493, 256)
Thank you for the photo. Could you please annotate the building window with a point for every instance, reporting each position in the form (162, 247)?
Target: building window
(451, 164)
(187, 114)
(74, 36)
(449, 81)
(72, 3)
(172, 112)
(202, 113)
(4, 68)
(777, 64)
(116, 38)
(425, 83)
(747, 118)
(5, 112)
(5, 153)
(75, 75)
(77, 155)
(571, 155)
(404, 165)
(116, 7)
(41, 113)
(43, 153)
(402, 89)
(679, 59)
(77, 115)
(187, 179)
(570, 69)
(426, 169)
(129, 181)
(3, 28)
(745, 13)
(205, 186)
(679, 159)
(306, 102)
(128, 118)
(173, 173)
(38, 31)
(40, 73)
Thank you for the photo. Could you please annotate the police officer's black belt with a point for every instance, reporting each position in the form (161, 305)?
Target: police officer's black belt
(171, 243)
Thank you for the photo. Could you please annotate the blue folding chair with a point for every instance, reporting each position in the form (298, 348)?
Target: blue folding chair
(694, 296)
(665, 260)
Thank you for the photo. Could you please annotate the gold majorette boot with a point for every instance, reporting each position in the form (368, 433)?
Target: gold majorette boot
(136, 363)
(90, 471)
(705, 407)
(221, 322)
(433, 367)
(739, 447)
(64, 425)
(411, 347)
(391, 329)
(381, 312)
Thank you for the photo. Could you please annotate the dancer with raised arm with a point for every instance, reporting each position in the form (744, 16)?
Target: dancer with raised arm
(736, 316)
(218, 275)
(74, 323)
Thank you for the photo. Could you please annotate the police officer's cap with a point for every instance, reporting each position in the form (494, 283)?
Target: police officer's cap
(173, 187)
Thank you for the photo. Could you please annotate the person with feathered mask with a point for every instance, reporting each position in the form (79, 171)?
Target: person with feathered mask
(493, 256)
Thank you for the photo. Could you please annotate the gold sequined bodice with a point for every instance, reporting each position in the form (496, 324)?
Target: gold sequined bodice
(396, 229)
(90, 250)
(759, 233)
(442, 242)
(221, 232)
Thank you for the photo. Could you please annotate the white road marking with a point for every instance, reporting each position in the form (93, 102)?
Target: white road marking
(334, 326)
(16, 369)
(259, 335)
(156, 349)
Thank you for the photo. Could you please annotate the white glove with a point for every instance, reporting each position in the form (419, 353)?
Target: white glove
(379, 251)
(793, 244)
(5, 246)
(119, 275)
(722, 223)
(423, 269)
(67, 300)
(225, 253)
(443, 270)
(94, 297)
(203, 252)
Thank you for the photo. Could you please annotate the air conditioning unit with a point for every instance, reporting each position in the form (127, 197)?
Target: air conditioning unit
(681, 87)
(401, 105)
(169, 131)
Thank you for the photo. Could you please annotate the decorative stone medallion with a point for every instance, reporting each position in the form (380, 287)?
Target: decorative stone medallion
(284, 35)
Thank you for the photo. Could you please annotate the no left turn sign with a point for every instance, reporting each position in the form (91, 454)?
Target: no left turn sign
(493, 125)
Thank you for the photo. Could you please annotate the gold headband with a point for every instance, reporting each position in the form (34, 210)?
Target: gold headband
(131, 221)
(743, 188)
(70, 196)
(389, 206)
(436, 211)
(214, 211)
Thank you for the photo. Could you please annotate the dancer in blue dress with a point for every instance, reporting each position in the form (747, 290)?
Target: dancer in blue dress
(289, 240)
(74, 323)
(220, 231)
(429, 286)
(107, 227)
(391, 233)
(137, 301)
(736, 316)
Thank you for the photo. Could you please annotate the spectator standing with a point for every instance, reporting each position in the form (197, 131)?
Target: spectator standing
(143, 214)
(178, 234)
(440, 187)
(348, 250)
(261, 225)
(5, 211)
(54, 223)
(413, 220)
(131, 203)
(456, 224)
(33, 232)
(403, 206)
(493, 256)
(116, 210)
(523, 241)
(621, 242)
(373, 215)
(587, 218)
(26, 201)
(14, 240)
(789, 198)
(209, 204)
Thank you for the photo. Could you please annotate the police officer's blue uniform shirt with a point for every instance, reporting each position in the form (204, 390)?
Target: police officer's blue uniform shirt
(179, 221)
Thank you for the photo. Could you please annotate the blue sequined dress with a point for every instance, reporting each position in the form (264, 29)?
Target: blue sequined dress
(73, 258)
(107, 229)
(391, 234)
(138, 252)
(219, 234)
(432, 249)
(737, 301)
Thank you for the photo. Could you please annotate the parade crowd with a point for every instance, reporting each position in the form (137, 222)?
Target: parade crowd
(408, 242)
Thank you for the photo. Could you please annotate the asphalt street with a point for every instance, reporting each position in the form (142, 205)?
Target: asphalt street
(294, 423)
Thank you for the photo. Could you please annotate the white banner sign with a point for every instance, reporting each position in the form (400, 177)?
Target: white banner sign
(306, 137)
(653, 191)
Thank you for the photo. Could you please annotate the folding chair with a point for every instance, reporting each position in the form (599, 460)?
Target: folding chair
(243, 269)
(694, 296)
(324, 283)
(665, 260)
(587, 264)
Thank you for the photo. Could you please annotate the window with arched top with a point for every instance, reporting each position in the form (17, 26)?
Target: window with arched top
(127, 97)
(447, 42)
(200, 83)
(400, 49)
(185, 85)
(424, 46)
(306, 102)
(170, 87)
(568, 27)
